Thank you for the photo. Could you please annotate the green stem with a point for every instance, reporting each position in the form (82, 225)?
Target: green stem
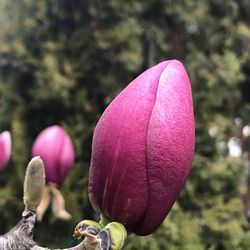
(104, 221)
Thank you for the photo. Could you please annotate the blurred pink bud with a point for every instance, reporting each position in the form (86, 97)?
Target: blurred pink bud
(56, 149)
(143, 148)
(5, 148)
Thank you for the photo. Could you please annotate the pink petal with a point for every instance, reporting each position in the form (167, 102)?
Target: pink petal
(118, 185)
(67, 156)
(170, 144)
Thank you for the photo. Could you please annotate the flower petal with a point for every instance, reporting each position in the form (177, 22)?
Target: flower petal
(118, 184)
(170, 144)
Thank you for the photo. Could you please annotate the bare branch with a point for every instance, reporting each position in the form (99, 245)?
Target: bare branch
(21, 236)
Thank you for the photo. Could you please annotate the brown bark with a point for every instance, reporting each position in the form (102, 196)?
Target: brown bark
(21, 236)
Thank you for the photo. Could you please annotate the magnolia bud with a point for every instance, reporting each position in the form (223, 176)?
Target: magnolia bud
(56, 149)
(142, 149)
(5, 149)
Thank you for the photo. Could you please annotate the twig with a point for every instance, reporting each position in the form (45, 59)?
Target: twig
(21, 236)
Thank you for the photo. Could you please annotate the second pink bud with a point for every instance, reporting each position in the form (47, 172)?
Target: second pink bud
(56, 149)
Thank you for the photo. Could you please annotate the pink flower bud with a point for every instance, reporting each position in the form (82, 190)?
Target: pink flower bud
(5, 149)
(56, 149)
(143, 148)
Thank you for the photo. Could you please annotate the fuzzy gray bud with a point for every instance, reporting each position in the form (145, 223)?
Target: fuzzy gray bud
(34, 183)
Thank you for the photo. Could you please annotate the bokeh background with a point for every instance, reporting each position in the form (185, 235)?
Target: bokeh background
(62, 62)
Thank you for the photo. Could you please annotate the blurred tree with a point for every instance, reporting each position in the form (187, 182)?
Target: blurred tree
(62, 62)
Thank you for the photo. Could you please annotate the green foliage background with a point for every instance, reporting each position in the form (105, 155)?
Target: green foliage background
(62, 62)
